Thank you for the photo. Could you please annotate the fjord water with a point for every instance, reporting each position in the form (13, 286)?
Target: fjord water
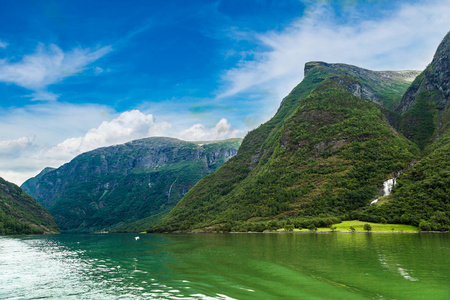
(226, 266)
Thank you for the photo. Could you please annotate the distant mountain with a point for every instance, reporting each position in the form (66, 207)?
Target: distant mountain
(328, 151)
(31, 183)
(21, 214)
(137, 182)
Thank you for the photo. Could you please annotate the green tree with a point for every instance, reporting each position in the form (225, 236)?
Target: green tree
(367, 227)
(424, 225)
(289, 227)
(272, 225)
(312, 227)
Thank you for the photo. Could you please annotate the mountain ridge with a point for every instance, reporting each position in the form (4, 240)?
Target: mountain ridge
(112, 186)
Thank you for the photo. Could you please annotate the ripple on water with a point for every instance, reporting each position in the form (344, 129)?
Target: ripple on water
(43, 268)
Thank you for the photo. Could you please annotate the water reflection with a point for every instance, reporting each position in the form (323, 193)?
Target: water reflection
(225, 266)
(56, 268)
(387, 265)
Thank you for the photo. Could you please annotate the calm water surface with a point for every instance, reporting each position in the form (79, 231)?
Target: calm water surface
(226, 266)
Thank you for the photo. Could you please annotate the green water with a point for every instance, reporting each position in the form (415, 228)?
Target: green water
(226, 266)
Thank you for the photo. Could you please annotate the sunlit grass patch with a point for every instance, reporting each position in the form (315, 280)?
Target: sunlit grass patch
(359, 226)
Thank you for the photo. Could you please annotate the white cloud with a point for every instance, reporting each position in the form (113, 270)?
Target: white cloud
(199, 132)
(3, 45)
(36, 136)
(51, 122)
(26, 133)
(98, 70)
(43, 95)
(403, 39)
(48, 65)
(17, 177)
(16, 146)
(128, 126)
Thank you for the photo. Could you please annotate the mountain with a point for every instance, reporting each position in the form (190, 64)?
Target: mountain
(383, 87)
(333, 144)
(425, 105)
(21, 214)
(326, 152)
(31, 183)
(137, 182)
(422, 195)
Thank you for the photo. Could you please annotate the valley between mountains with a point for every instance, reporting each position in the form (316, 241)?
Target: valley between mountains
(323, 158)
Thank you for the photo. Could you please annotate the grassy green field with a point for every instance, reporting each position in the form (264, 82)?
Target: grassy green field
(359, 226)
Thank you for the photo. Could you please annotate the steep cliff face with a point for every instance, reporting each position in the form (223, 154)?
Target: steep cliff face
(326, 152)
(425, 105)
(21, 214)
(114, 186)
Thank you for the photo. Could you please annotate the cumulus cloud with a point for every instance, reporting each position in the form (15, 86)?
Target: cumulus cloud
(199, 132)
(13, 147)
(51, 122)
(402, 39)
(48, 65)
(35, 137)
(129, 125)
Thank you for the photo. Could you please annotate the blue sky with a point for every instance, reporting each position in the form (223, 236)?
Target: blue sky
(77, 75)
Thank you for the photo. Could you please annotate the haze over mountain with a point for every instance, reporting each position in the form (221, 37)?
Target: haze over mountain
(110, 187)
(328, 150)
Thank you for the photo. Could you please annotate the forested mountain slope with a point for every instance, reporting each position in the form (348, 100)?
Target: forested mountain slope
(422, 195)
(328, 150)
(425, 106)
(21, 214)
(110, 187)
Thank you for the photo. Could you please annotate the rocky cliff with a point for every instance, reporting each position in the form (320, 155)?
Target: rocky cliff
(114, 186)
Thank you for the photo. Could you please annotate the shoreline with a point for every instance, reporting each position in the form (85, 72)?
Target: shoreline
(305, 232)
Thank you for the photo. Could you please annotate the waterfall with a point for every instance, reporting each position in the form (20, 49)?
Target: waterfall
(388, 185)
(170, 190)
(387, 188)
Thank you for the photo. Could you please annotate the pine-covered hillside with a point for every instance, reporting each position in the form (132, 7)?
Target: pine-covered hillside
(137, 182)
(21, 214)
